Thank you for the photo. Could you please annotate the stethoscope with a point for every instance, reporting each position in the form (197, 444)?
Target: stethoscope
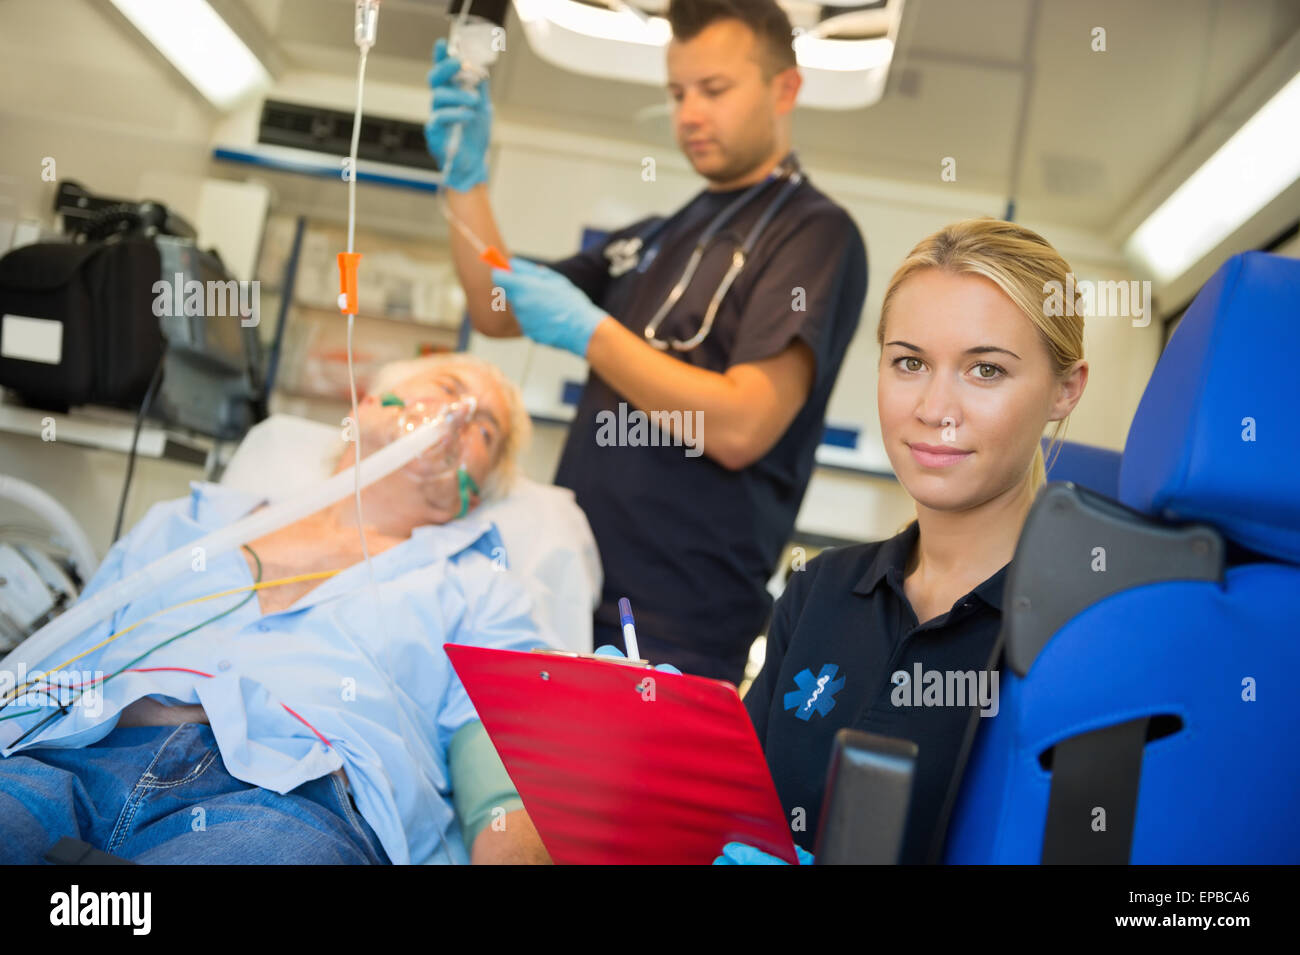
(792, 174)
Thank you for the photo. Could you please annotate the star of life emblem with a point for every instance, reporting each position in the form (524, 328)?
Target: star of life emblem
(623, 255)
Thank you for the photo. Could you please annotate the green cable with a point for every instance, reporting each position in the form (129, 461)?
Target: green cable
(247, 597)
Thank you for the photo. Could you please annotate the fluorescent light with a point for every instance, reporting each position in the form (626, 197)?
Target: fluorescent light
(845, 56)
(626, 27)
(201, 45)
(621, 25)
(1248, 171)
(622, 45)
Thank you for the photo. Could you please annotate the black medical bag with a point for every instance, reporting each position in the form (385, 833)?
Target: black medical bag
(78, 322)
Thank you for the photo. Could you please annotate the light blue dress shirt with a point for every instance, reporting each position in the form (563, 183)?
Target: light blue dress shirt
(377, 685)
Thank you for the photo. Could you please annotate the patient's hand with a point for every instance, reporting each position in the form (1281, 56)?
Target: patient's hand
(515, 843)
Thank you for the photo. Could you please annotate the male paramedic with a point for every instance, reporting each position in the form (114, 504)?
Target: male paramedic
(733, 371)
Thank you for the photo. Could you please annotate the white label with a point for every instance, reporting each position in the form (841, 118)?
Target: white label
(31, 339)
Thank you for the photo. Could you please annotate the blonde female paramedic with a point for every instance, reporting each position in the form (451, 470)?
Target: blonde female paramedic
(972, 369)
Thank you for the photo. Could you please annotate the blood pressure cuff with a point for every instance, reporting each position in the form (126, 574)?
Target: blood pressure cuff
(481, 787)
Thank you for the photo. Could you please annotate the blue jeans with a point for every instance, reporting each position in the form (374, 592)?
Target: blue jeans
(161, 795)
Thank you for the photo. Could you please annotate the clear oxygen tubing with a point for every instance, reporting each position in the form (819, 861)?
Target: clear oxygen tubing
(91, 610)
(53, 513)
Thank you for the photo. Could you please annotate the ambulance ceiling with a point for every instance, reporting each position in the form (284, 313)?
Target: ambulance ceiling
(968, 80)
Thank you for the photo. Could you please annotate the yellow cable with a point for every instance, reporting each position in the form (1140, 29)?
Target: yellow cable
(318, 575)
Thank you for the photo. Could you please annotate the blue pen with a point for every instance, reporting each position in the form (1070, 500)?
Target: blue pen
(629, 628)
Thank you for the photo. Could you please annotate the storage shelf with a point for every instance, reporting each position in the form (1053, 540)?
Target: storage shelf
(109, 429)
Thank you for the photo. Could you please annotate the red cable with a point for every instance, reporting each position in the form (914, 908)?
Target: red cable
(209, 676)
(308, 725)
(172, 669)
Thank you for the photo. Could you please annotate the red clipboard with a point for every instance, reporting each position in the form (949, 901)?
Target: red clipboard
(614, 770)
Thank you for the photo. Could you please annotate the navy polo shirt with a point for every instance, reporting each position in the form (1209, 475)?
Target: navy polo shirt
(847, 619)
(689, 542)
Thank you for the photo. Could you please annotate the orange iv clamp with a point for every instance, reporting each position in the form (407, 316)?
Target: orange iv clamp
(348, 262)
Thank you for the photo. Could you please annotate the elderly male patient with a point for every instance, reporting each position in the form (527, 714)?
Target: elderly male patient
(315, 721)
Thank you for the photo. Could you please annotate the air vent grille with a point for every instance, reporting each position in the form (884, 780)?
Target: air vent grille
(329, 131)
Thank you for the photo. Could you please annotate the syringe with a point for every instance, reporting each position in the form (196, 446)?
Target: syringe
(468, 77)
(472, 44)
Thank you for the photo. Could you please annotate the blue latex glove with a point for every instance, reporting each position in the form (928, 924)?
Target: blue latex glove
(737, 853)
(452, 106)
(550, 308)
(609, 650)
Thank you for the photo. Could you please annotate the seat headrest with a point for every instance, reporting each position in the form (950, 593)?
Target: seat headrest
(1214, 438)
(1094, 468)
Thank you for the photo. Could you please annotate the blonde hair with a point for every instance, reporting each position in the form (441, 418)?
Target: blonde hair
(519, 428)
(1023, 265)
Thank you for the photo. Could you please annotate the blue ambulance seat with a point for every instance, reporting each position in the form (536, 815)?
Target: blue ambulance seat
(1097, 469)
(1150, 644)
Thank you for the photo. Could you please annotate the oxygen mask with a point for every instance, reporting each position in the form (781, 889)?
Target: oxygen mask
(440, 471)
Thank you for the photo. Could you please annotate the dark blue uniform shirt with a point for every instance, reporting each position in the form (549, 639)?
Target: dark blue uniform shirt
(846, 617)
(689, 542)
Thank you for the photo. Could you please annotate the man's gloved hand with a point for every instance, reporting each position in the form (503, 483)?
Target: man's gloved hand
(608, 650)
(550, 308)
(737, 853)
(452, 106)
